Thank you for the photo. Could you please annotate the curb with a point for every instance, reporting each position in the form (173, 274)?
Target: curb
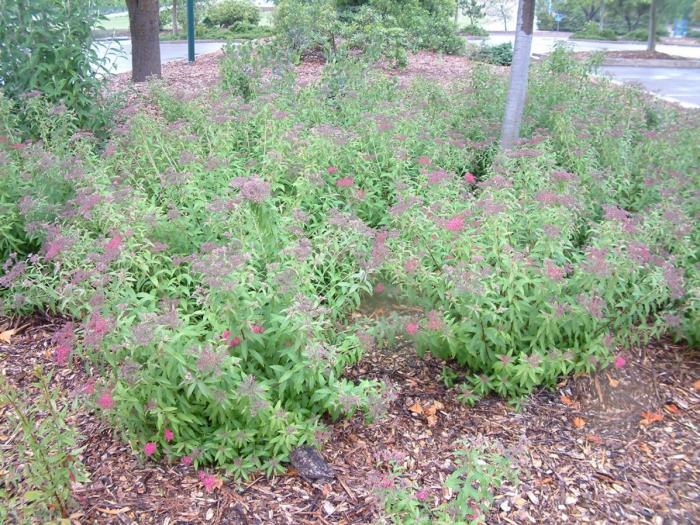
(652, 62)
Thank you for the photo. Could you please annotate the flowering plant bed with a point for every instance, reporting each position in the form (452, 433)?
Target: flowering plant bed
(212, 255)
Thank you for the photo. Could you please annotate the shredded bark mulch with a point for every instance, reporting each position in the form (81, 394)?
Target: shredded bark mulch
(620, 446)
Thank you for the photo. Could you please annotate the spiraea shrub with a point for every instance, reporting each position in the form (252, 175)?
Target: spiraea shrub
(212, 252)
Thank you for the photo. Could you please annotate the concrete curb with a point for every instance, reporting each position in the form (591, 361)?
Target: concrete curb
(652, 62)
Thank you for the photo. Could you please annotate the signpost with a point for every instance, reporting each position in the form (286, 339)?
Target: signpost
(190, 31)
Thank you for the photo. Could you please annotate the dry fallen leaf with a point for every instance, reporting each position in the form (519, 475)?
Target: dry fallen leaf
(6, 336)
(594, 439)
(567, 400)
(416, 408)
(645, 448)
(579, 422)
(432, 409)
(696, 385)
(650, 417)
(614, 383)
(432, 420)
(673, 408)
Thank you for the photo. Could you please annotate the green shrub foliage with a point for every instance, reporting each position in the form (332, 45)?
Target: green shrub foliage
(210, 255)
(48, 52)
(233, 13)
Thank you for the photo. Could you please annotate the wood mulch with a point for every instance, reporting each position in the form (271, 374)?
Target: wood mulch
(620, 446)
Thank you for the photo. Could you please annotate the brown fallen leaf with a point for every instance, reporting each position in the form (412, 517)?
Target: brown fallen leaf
(673, 408)
(594, 439)
(567, 400)
(432, 420)
(6, 336)
(645, 448)
(696, 385)
(614, 383)
(416, 408)
(650, 417)
(432, 409)
(579, 422)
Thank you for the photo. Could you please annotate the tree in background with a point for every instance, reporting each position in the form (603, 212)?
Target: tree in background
(651, 40)
(695, 15)
(519, 70)
(501, 9)
(144, 26)
(474, 10)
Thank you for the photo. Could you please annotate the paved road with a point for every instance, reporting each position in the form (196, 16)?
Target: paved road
(545, 44)
(681, 85)
(120, 61)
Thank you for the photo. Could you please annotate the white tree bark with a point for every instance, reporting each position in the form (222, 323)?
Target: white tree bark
(517, 90)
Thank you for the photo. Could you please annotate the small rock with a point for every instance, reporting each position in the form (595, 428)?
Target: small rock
(571, 500)
(310, 464)
(209, 515)
(328, 508)
(505, 506)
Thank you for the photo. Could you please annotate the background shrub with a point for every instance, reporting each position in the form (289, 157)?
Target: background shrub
(233, 13)
(474, 30)
(592, 31)
(499, 55)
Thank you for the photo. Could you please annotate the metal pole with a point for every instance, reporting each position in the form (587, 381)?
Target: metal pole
(190, 31)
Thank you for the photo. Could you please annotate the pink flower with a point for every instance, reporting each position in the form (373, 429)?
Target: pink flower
(186, 460)
(359, 194)
(61, 354)
(345, 182)
(411, 265)
(378, 288)
(620, 361)
(422, 495)
(424, 161)
(208, 480)
(469, 178)
(89, 387)
(168, 435)
(149, 448)
(331, 170)
(235, 341)
(455, 224)
(105, 401)
(257, 329)
(226, 334)
(412, 328)
(114, 243)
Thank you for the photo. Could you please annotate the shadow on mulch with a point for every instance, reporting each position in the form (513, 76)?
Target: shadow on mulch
(617, 447)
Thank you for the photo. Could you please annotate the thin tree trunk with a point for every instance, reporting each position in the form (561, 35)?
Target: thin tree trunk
(144, 22)
(456, 13)
(517, 90)
(174, 13)
(651, 41)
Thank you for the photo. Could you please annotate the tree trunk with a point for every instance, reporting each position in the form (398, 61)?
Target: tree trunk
(651, 41)
(174, 13)
(504, 14)
(456, 13)
(517, 91)
(144, 24)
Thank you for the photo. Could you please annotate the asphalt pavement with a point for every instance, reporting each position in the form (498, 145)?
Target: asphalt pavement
(118, 52)
(679, 85)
